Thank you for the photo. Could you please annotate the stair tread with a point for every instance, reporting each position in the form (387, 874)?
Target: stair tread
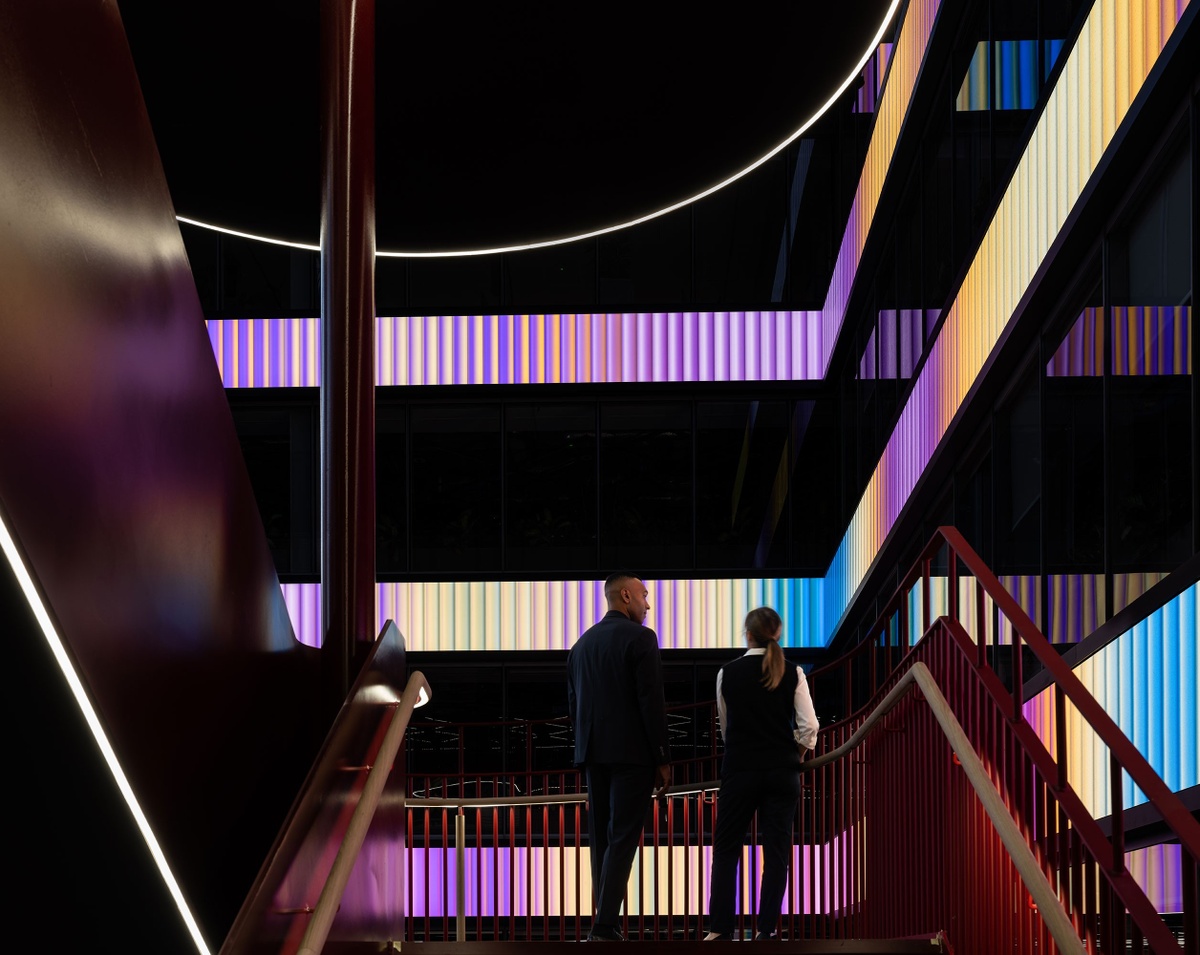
(843, 946)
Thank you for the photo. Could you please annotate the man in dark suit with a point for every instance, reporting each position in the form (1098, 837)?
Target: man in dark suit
(617, 706)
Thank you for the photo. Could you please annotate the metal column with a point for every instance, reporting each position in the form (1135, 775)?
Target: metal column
(347, 334)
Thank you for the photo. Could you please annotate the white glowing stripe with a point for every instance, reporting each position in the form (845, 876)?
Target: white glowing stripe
(93, 722)
(248, 235)
(870, 52)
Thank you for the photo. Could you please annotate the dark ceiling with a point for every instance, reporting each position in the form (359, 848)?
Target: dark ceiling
(496, 123)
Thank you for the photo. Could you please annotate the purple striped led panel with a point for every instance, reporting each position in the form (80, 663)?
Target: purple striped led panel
(550, 615)
(1146, 340)
(536, 349)
(267, 352)
(498, 880)
(598, 347)
(1152, 340)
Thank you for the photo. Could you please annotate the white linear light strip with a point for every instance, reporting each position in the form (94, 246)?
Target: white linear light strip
(85, 705)
(870, 52)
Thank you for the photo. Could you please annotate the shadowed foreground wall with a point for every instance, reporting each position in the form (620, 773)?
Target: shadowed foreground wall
(121, 479)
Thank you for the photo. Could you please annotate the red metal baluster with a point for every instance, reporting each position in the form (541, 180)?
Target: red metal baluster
(654, 866)
(562, 869)
(428, 872)
(495, 873)
(545, 870)
(578, 874)
(512, 872)
(410, 922)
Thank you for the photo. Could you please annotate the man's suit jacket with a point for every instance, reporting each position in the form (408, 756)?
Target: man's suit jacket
(615, 694)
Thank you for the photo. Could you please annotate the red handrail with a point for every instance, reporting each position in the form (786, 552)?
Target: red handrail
(1067, 686)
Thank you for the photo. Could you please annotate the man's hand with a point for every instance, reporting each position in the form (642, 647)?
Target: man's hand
(662, 778)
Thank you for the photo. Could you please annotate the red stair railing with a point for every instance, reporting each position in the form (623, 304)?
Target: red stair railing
(906, 867)
(891, 839)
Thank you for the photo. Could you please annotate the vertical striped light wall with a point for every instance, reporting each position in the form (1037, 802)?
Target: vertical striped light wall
(497, 880)
(550, 615)
(267, 353)
(599, 347)
(1104, 72)
(780, 345)
(1147, 680)
(907, 55)
(1146, 340)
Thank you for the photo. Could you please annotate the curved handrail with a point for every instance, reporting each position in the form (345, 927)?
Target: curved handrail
(327, 905)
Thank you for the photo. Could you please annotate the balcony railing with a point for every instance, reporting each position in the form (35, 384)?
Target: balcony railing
(892, 837)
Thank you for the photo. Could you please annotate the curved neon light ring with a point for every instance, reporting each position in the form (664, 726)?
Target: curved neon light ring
(887, 18)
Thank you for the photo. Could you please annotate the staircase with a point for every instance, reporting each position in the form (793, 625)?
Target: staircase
(933, 817)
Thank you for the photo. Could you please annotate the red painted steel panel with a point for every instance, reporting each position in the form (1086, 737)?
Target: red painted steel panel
(120, 471)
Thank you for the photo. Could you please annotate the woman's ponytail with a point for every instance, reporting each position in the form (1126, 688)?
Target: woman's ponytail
(764, 625)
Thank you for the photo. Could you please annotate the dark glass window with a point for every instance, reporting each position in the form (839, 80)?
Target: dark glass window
(456, 487)
(1151, 466)
(391, 490)
(646, 485)
(550, 487)
(820, 500)
(973, 507)
(1018, 484)
(278, 441)
(1074, 474)
(741, 447)
(1151, 258)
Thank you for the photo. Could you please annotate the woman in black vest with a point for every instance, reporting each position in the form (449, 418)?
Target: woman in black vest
(768, 724)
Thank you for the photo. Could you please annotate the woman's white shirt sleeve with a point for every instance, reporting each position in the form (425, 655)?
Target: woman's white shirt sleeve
(806, 717)
(720, 706)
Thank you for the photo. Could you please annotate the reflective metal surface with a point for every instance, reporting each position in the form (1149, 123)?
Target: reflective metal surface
(120, 472)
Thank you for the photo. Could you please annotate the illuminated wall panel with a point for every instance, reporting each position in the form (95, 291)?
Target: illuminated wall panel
(1102, 75)
(536, 349)
(1159, 872)
(1012, 66)
(1152, 340)
(815, 879)
(896, 343)
(550, 615)
(1146, 340)
(906, 57)
(1147, 680)
(1026, 590)
(267, 353)
(1128, 587)
(1100, 78)
(1075, 606)
(599, 347)
(874, 76)
(304, 607)
(1081, 352)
